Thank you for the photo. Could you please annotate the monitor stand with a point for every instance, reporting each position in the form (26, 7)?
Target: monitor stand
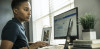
(68, 36)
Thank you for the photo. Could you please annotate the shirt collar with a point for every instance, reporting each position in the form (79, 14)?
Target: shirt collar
(19, 23)
(16, 20)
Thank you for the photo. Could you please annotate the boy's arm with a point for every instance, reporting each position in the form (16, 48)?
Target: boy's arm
(6, 44)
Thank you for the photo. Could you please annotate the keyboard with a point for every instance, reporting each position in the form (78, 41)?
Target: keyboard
(53, 47)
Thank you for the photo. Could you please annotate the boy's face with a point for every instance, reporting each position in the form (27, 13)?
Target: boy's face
(23, 12)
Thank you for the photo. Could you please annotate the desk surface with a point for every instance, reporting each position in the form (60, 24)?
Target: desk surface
(85, 48)
(71, 47)
(53, 47)
(62, 47)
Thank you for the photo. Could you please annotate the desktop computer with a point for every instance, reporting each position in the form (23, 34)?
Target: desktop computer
(61, 23)
(66, 27)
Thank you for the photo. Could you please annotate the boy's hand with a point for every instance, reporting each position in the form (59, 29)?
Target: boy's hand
(39, 44)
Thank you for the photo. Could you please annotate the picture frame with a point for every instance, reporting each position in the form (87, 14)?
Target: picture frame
(46, 34)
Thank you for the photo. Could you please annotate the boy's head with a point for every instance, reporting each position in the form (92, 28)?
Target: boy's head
(21, 9)
(17, 3)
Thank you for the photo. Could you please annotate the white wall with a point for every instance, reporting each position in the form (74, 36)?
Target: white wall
(89, 6)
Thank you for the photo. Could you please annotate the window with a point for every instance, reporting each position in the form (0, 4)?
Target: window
(43, 12)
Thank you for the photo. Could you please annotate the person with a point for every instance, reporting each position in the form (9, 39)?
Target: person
(13, 33)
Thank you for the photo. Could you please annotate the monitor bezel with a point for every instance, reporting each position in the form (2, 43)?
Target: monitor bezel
(76, 8)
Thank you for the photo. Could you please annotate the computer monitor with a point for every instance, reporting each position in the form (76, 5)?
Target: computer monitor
(61, 23)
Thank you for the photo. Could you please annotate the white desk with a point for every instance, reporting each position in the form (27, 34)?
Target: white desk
(62, 47)
(53, 47)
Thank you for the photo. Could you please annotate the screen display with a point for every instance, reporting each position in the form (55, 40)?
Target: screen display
(61, 23)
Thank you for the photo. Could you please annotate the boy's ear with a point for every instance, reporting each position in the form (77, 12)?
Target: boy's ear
(15, 11)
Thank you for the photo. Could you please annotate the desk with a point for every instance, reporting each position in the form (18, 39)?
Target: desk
(53, 47)
(62, 47)
(85, 48)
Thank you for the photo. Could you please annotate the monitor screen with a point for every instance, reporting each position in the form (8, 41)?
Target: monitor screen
(61, 23)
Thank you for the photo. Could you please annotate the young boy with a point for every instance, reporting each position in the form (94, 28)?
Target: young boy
(13, 34)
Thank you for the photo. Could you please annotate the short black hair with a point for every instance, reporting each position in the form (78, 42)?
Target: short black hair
(16, 3)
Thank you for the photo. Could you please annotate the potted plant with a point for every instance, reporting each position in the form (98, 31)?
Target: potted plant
(88, 22)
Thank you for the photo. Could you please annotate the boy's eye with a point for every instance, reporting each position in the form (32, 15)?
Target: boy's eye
(26, 9)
